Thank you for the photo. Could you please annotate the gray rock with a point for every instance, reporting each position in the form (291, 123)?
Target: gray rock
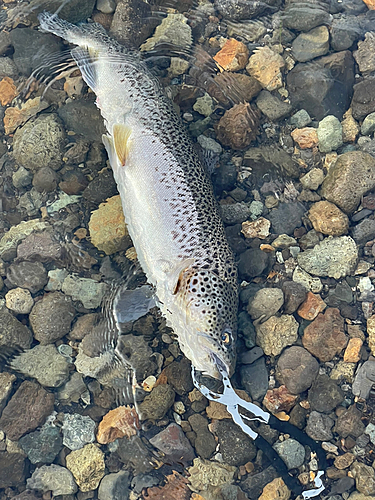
(342, 293)
(300, 119)
(8, 68)
(29, 275)
(319, 426)
(333, 257)
(248, 357)
(40, 247)
(53, 478)
(294, 295)
(303, 17)
(204, 443)
(312, 44)
(42, 446)
(43, 363)
(31, 201)
(265, 303)
(297, 369)
(173, 442)
(173, 30)
(10, 240)
(362, 104)
(12, 331)
(133, 453)
(51, 317)
(235, 447)
(364, 379)
(86, 290)
(236, 10)
(329, 134)
(45, 180)
(73, 389)
(128, 26)
(209, 144)
(77, 431)
(368, 124)
(364, 231)
(325, 394)
(365, 54)
(235, 213)
(19, 300)
(73, 11)
(39, 143)
(247, 329)
(291, 451)
(254, 483)
(364, 478)
(286, 217)
(115, 486)
(178, 374)
(254, 378)
(144, 481)
(5, 42)
(272, 106)
(100, 188)
(21, 178)
(370, 430)
(83, 117)
(349, 423)
(252, 263)
(344, 32)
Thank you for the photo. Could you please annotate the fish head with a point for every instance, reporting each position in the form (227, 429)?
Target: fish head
(210, 321)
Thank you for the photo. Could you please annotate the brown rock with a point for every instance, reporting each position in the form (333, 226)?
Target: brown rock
(238, 127)
(344, 461)
(40, 247)
(217, 411)
(325, 336)
(15, 420)
(328, 219)
(306, 137)
(350, 128)
(265, 65)
(83, 326)
(352, 352)
(259, 228)
(275, 489)
(228, 87)
(233, 56)
(175, 488)
(118, 423)
(364, 476)
(12, 469)
(279, 399)
(8, 91)
(349, 423)
(297, 369)
(311, 307)
(14, 117)
(370, 4)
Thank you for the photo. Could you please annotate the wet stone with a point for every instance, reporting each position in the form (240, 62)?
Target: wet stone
(19, 301)
(87, 466)
(235, 213)
(297, 369)
(29, 275)
(291, 451)
(319, 426)
(328, 219)
(238, 11)
(364, 476)
(206, 473)
(364, 379)
(12, 469)
(6, 384)
(329, 134)
(325, 394)
(364, 231)
(52, 478)
(274, 108)
(254, 484)
(277, 333)
(118, 423)
(275, 489)
(173, 442)
(42, 446)
(77, 431)
(21, 178)
(265, 65)
(312, 44)
(85, 290)
(349, 423)
(235, 447)
(12, 331)
(252, 263)
(45, 180)
(311, 307)
(83, 117)
(286, 217)
(179, 376)
(265, 303)
(279, 399)
(294, 295)
(134, 454)
(204, 443)
(157, 403)
(101, 187)
(115, 486)
(254, 378)
(14, 421)
(51, 317)
(238, 127)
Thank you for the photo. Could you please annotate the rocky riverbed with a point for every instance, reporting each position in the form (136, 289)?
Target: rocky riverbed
(281, 99)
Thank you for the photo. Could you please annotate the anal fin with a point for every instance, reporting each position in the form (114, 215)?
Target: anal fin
(121, 134)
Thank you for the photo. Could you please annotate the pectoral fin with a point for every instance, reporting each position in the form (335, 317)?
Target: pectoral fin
(121, 134)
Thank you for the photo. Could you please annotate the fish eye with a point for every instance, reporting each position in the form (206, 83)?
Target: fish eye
(226, 336)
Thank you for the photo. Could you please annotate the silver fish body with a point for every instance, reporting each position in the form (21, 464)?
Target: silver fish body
(167, 197)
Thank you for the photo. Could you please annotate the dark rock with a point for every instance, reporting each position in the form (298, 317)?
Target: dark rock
(133, 453)
(224, 177)
(101, 187)
(41, 247)
(349, 423)
(179, 376)
(157, 403)
(5, 42)
(286, 217)
(294, 295)
(236, 10)
(74, 182)
(342, 485)
(344, 32)
(348, 311)
(323, 87)
(136, 350)
(73, 11)
(325, 394)
(248, 357)
(235, 213)
(252, 263)
(274, 108)
(297, 369)
(246, 329)
(128, 23)
(342, 293)
(45, 180)
(12, 331)
(253, 485)
(254, 378)
(84, 118)
(42, 446)
(144, 481)
(364, 231)
(235, 447)
(363, 103)
(361, 214)
(15, 421)
(115, 486)
(273, 160)
(312, 44)
(298, 417)
(13, 470)
(51, 317)
(173, 442)
(204, 443)
(302, 16)
(30, 275)
(319, 426)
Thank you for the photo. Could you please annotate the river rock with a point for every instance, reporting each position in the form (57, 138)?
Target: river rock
(319, 426)
(265, 303)
(42, 446)
(297, 369)
(83, 117)
(173, 30)
(312, 44)
(173, 442)
(291, 451)
(52, 478)
(325, 394)
(86, 290)
(19, 301)
(277, 333)
(238, 127)
(294, 295)
(364, 478)
(311, 307)
(362, 103)
(329, 134)
(12, 331)
(239, 11)
(252, 263)
(115, 486)
(365, 54)
(77, 431)
(87, 466)
(235, 447)
(286, 217)
(298, 17)
(271, 106)
(13, 469)
(157, 403)
(349, 423)
(275, 489)
(328, 219)
(265, 65)
(233, 56)
(29, 275)
(205, 473)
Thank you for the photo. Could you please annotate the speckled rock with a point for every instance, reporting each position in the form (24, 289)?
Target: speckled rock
(12, 331)
(44, 363)
(157, 403)
(252, 263)
(13, 469)
(204, 443)
(313, 179)
(275, 489)
(291, 451)
(325, 336)
(77, 431)
(238, 127)
(72, 390)
(325, 394)
(19, 301)
(39, 403)
(286, 217)
(350, 127)
(6, 385)
(115, 486)
(352, 176)
(312, 44)
(107, 227)
(51, 317)
(364, 478)
(335, 257)
(39, 143)
(266, 65)
(235, 447)
(329, 134)
(42, 446)
(173, 30)
(259, 228)
(86, 290)
(87, 466)
(279, 399)
(319, 426)
(277, 333)
(205, 473)
(29, 275)
(254, 378)
(173, 442)
(349, 423)
(265, 303)
(52, 478)
(297, 369)
(328, 219)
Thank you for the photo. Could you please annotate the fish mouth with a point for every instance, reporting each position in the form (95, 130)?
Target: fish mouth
(221, 366)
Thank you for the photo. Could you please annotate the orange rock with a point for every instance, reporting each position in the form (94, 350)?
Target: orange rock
(233, 56)
(328, 219)
(176, 488)
(8, 91)
(352, 352)
(15, 116)
(275, 489)
(238, 127)
(311, 307)
(306, 137)
(280, 399)
(370, 4)
(118, 423)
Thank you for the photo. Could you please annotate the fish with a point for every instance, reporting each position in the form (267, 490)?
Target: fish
(167, 197)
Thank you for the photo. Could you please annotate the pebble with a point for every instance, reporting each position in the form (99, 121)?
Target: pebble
(233, 56)
(265, 65)
(174, 444)
(85, 290)
(42, 446)
(279, 400)
(134, 454)
(344, 461)
(252, 263)
(44, 363)
(77, 431)
(311, 307)
(349, 423)
(254, 483)
(271, 106)
(368, 124)
(325, 336)
(291, 451)
(238, 127)
(83, 118)
(235, 213)
(254, 378)
(204, 443)
(7, 68)
(53, 478)
(364, 476)
(328, 219)
(343, 371)
(173, 30)
(352, 352)
(51, 317)
(115, 486)
(19, 300)
(277, 333)
(14, 421)
(118, 423)
(204, 105)
(206, 473)
(335, 257)
(364, 56)
(312, 44)
(21, 178)
(284, 241)
(40, 247)
(294, 295)
(297, 369)
(87, 466)
(12, 331)
(107, 7)
(371, 333)
(107, 227)
(8, 91)
(286, 217)
(364, 231)
(300, 119)
(325, 395)
(235, 447)
(29, 275)
(72, 390)
(350, 128)
(329, 134)
(275, 489)
(178, 374)
(157, 403)
(13, 467)
(364, 379)
(256, 229)
(265, 303)
(319, 426)
(313, 179)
